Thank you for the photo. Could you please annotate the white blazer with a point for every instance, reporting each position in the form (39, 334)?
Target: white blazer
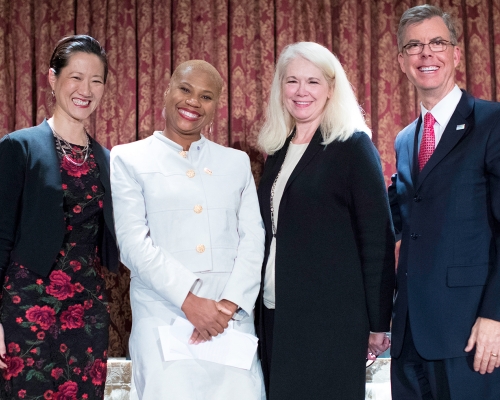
(186, 221)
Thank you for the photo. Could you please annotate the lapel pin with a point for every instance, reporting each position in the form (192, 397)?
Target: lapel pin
(460, 127)
(207, 171)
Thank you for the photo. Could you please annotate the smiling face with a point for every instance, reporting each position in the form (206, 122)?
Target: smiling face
(433, 74)
(190, 104)
(79, 87)
(305, 91)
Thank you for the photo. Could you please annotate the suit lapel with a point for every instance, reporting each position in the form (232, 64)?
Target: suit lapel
(103, 162)
(313, 147)
(274, 164)
(413, 153)
(102, 159)
(50, 159)
(271, 170)
(280, 159)
(268, 178)
(451, 136)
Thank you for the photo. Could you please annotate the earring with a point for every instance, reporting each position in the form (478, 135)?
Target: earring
(211, 128)
(53, 94)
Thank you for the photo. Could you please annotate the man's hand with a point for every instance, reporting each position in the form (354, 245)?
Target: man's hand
(204, 314)
(377, 344)
(485, 336)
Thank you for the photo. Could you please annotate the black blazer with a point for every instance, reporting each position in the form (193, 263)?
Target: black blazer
(31, 201)
(449, 219)
(334, 268)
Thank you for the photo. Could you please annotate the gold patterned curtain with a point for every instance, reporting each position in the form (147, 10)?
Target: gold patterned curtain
(146, 39)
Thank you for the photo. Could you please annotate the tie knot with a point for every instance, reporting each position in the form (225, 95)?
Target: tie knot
(429, 120)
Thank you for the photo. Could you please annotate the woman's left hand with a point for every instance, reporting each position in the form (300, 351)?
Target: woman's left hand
(3, 349)
(226, 308)
(377, 344)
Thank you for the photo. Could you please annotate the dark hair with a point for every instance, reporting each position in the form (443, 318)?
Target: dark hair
(420, 13)
(70, 45)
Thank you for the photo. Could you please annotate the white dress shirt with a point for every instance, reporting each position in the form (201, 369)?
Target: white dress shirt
(442, 113)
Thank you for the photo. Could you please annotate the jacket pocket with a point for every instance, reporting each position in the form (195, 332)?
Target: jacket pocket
(470, 275)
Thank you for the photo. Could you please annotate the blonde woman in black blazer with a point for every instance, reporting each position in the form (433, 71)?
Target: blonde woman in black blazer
(328, 273)
(56, 228)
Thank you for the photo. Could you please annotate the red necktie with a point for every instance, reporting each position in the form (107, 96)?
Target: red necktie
(428, 142)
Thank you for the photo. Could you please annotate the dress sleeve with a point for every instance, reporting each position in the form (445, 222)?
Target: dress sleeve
(155, 267)
(374, 232)
(244, 283)
(12, 170)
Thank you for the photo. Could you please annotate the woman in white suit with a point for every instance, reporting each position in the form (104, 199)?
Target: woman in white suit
(189, 229)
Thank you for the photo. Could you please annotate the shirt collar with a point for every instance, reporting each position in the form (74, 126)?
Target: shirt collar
(198, 145)
(443, 110)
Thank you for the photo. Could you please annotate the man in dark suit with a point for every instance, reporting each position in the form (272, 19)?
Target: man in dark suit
(445, 200)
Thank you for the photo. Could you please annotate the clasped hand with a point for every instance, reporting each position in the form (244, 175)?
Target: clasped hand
(208, 316)
(377, 344)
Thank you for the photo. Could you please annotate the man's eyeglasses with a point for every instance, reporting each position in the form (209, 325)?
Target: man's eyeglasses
(435, 45)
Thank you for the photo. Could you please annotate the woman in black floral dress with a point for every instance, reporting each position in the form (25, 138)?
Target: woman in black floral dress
(56, 229)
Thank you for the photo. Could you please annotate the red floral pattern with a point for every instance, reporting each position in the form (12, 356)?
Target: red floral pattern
(14, 367)
(43, 316)
(73, 170)
(56, 373)
(98, 372)
(13, 348)
(73, 317)
(60, 285)
(67, 391)
(51, 322)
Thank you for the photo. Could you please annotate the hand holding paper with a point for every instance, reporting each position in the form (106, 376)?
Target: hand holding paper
(231, 348)
(204, 315)
(224, 307)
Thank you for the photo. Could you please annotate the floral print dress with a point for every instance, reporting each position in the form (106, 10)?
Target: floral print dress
(56, 327)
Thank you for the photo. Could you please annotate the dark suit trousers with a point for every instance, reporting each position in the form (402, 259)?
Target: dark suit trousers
(414, 378)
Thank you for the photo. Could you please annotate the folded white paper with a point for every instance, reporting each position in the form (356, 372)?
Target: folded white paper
(231, 348)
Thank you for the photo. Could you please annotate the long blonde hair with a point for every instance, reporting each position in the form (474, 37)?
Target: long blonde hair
(342, 115)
